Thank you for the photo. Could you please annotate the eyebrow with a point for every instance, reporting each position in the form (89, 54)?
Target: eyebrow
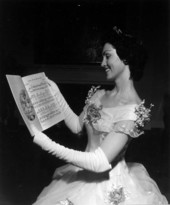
(104, 52)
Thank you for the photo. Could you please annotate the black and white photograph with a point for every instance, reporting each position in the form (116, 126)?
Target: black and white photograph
(85, 102)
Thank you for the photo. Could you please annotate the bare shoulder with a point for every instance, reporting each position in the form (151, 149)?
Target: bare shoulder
(111, 99)
(130, 98)
(134, 99)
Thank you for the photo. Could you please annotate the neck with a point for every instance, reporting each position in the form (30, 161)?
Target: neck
(123, 83)
(124, 86)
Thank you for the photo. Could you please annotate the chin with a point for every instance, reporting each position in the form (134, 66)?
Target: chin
(110, 78)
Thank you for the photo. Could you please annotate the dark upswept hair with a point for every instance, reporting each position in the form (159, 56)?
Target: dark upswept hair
(130, 50)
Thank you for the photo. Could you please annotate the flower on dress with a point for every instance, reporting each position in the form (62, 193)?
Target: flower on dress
(91, 92)
(65, 202)
(92, 113)
(115, 196)
(143, 116)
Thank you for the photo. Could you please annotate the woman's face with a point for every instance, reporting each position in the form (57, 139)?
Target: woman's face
(112, 64)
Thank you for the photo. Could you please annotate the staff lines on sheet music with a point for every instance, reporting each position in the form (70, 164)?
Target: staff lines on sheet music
(49, 115)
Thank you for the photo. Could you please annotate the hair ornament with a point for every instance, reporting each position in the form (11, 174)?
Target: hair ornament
(117, 30)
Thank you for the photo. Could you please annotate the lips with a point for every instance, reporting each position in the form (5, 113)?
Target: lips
(107, 69)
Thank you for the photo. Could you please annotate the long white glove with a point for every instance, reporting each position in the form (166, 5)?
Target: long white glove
(71, 119)
(94, 161)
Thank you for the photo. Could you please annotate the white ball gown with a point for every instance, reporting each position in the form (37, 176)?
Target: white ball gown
(125, 184)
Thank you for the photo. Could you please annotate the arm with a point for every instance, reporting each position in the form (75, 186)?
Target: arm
(117, 139)
(113, 143)
(94, 161)
(97, 161)
(71, 119)
(100, 159)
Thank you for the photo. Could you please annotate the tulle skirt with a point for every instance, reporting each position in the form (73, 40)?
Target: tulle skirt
(125, 184)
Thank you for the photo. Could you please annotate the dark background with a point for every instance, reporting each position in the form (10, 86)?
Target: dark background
(55, 37)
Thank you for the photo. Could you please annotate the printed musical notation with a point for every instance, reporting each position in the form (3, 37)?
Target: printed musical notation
(49, 115)
(44, 103)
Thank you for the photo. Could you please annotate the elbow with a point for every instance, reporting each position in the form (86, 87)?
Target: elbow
(103, 168)
(76, 131)
(74, 127)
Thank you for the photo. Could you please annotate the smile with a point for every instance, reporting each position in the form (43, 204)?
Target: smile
(107, 69)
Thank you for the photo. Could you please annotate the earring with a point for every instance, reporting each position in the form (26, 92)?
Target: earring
(125, 61)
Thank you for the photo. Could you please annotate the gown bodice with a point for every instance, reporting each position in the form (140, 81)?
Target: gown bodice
(105, 120)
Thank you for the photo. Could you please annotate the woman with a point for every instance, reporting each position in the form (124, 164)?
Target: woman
(100, 175)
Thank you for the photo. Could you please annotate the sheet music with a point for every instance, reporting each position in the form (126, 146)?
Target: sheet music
(44, 103)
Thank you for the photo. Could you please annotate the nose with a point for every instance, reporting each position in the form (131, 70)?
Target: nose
(103, 63)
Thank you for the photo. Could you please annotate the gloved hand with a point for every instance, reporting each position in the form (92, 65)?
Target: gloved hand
(71, 119)
(94, 161)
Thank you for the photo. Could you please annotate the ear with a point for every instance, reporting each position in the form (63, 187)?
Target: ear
(125, 61)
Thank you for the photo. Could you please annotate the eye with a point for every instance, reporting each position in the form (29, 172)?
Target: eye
(107, 56)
